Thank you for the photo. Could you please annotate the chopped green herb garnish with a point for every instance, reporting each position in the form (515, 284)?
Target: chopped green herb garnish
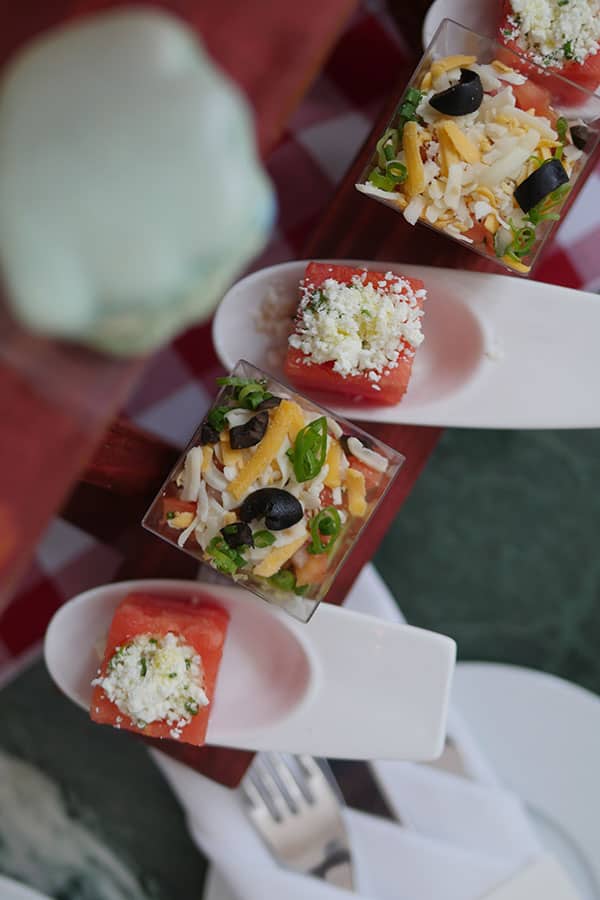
(248, 392)
(317, 301)
(365, 312)
(562, 2)
(152, 641)
(191, 707)
(263, 539)
(310, 450)
(143, 667)
(170, 515)
(172, 674)
(326, 523)
(188, 664)
(568, 50)
(117, 657)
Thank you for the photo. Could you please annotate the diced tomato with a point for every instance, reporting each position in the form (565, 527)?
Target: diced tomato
(202, 626)
(172, 504)
(371, 476)
(585, 74)
(533, 96)
(313, 569)
(313, 377)
(480, 235)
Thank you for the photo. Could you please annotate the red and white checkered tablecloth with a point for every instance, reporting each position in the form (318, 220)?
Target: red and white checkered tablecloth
(313, 154)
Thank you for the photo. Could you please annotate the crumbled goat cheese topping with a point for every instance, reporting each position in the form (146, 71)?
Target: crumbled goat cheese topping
(155, 678)
(358, 327)
(554, 32)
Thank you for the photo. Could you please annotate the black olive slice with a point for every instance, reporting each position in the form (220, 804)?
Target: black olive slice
(208, 434)
(279, 508)
(269, 403)
(462, 98)
(580, 135)
(238, 534)
(242, 436)
(545, 179)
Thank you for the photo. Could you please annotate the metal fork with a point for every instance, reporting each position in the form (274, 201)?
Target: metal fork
(296, 809)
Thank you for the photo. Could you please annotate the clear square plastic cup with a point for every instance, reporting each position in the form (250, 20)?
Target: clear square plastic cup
(273, 491)
(484, 147)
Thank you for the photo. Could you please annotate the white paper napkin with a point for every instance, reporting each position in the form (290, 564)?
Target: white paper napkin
(462, 838)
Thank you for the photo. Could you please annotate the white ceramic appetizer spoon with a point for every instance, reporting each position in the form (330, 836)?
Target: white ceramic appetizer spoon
(347, 685)
(499, 351)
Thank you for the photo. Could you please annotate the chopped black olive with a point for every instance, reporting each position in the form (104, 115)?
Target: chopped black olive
(242, 436)
(580, 135)
(279, 508)
(208, 434)
(269, 403)
(462, 98)
(238, 534)
(542, 181)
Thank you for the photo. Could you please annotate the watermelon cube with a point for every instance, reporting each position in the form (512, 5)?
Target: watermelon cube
(160, 666)
(356, 333)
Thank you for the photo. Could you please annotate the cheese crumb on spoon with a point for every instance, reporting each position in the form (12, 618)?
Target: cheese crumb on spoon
(358, 327)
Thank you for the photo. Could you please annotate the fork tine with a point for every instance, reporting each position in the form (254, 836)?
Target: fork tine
(319, 774)
(251, 794)
(288, 776)
(267, 787)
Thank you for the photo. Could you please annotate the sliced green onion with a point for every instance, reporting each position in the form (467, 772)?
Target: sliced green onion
(143, 667)
(387, 143)
(217, 417)
(327, 523)
(381, 181)
(235, 381)
(192, 708)
(284, 580)
(562, 126)
(263, 539)
(543, 211)
(226, 559)
(397, 171)
(522, 242)
(413, 96)
(310, 450)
